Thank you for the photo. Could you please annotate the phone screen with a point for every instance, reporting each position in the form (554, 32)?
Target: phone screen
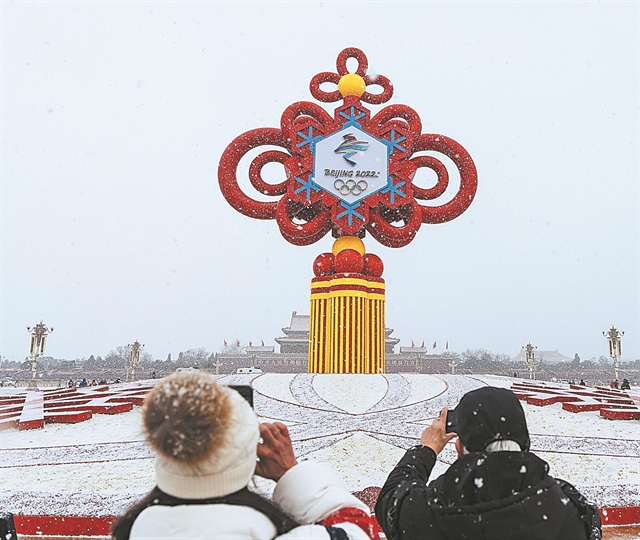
(451, 423)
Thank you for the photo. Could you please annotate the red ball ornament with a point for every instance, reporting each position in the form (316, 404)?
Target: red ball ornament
(373, 265)
(349, 261)
(323, 265)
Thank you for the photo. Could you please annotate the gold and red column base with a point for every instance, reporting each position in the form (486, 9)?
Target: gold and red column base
(347, 316)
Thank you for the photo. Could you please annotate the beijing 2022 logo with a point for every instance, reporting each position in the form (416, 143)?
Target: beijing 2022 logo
(350, 173)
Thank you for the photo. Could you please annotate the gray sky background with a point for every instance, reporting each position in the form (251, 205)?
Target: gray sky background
(115, 114)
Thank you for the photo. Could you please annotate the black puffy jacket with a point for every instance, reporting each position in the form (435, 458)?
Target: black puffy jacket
(483, 496)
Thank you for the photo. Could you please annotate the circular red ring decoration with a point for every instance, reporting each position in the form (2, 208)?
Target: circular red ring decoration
(443, 178)
(228, 167)
(468, 178)
(272, 156)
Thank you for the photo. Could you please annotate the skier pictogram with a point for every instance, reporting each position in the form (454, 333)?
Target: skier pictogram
(351, 146)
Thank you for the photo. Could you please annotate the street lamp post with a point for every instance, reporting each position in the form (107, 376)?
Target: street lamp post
(614, 337)
(530, 358)
(453, 365)
(39, 334)
(133, 359)
(217, 364)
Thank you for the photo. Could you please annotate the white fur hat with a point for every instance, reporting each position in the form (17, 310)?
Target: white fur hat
(204, 434)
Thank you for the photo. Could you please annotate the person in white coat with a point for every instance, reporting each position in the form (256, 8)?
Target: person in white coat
(208, 445)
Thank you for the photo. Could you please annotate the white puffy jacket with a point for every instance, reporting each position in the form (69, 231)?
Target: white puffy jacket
(308, 493)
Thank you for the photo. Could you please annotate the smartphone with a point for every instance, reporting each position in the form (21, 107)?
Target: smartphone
(451, 423)
(245, 391)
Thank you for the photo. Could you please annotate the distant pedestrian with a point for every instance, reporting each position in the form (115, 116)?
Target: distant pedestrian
(582, 383)
(83, 383)
(616, 384)
(625, 385)
(71, 384)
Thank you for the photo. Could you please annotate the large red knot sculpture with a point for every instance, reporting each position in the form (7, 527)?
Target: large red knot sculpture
(349, 174)
(352, 173)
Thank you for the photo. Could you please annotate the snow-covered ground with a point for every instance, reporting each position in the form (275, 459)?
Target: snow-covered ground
(358, 424)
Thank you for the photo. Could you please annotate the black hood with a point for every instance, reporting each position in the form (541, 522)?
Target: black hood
(501, 494)
(491, 414)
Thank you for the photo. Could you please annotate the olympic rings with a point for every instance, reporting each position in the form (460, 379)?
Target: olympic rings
(350, 186)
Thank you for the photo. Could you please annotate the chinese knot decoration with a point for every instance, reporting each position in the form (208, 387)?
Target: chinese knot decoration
(351, 173)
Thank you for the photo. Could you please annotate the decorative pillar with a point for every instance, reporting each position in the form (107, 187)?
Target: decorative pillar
(347, 322)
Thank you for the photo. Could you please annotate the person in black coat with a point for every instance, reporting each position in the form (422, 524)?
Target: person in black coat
(496, 490)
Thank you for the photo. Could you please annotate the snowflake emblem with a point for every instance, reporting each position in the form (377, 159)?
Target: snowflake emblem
(351, 173)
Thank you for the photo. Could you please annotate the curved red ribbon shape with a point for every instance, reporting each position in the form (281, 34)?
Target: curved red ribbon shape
(305, 212)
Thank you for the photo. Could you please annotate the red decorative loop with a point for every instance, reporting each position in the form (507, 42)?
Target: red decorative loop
(468, 178)
(311, 225)
(228, 167)
(321, 151)
(304, 109)
(341, 66)
(321, 95)
(392, 112)
(381, 228)
(272, 156)
(384, 96)
(443, 178)
(352, 52)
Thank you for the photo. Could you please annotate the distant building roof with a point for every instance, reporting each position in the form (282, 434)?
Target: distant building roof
(418, 350)
(264, 349)
(551, 357)
(299, 323)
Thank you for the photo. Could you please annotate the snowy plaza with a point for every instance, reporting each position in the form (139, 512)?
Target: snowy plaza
(177, 177)
(358, 424)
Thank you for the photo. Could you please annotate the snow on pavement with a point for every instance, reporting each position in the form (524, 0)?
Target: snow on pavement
(357, 424)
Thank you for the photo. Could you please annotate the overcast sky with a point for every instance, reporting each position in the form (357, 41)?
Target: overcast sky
(115, 115)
